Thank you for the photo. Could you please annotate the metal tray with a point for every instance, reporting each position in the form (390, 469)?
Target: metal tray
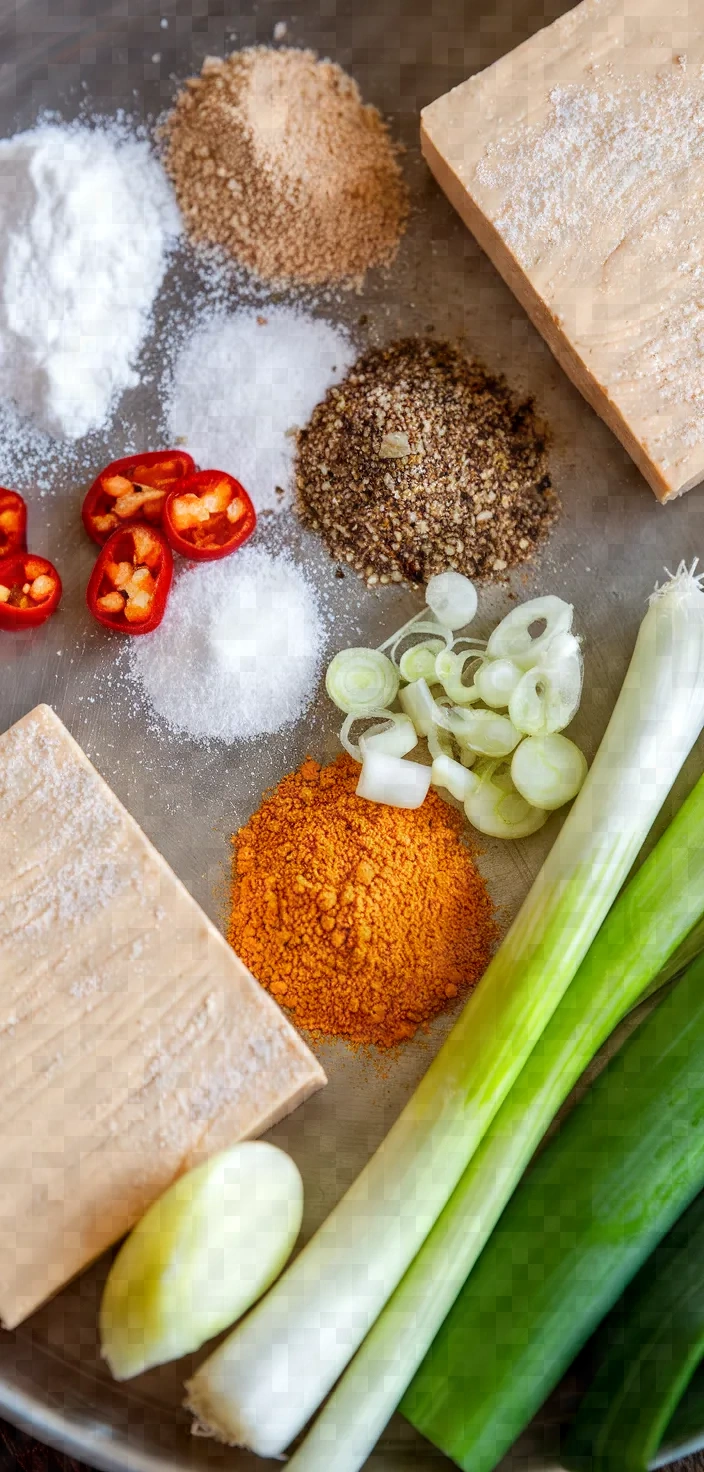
(608, 550)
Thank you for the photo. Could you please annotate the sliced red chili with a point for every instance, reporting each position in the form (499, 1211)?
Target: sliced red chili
(208, 516)
(133, 489)
(30, 591)
(130, 582)
(13, 523)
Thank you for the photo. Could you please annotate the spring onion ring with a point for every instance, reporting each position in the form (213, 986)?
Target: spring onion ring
(449, 669)
(393, 730)
(548, 695)
(496, 680)
(453, 599)
(446, 772)
(512, 638)
(419, 704)
(418, 662)
(483, 731)
(361, 680)
(392, 781)
(548, 771)
(497, 809)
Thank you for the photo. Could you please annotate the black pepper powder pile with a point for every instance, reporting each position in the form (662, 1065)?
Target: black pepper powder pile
(420, 461)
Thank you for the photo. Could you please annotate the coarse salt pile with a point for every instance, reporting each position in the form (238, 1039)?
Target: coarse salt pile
(86, 220)
(275, 157)
(243, 384)
(238, 653)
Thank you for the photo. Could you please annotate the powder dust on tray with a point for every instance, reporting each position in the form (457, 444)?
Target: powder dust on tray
(421, 461)
(364, 920)
(275, 157)
(238, 652)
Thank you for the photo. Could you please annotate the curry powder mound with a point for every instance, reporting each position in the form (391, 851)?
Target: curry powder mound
(363, 920)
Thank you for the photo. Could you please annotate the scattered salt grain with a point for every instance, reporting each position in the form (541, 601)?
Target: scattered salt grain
(243, 383)
(86, 221)
(238, 653)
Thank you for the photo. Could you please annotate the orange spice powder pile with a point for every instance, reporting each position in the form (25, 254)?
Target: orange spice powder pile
(363, 920)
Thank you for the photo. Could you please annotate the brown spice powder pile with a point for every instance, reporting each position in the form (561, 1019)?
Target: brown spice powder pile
(274, 156)
(365, 921)
(421, 461)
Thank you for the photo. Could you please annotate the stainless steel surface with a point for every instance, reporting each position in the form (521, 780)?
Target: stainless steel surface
(605, 555)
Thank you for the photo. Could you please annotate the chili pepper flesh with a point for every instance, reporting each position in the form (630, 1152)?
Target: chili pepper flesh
(208, 516)
(133, 489)
(30, 591)
(13, 523)
(130, 582)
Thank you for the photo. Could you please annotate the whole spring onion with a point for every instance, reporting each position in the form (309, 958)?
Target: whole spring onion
(653, 930)
(390, 780)
(548, 771)
(646, 1353)
(626, 1163)
(262, 1385)
(360, 680)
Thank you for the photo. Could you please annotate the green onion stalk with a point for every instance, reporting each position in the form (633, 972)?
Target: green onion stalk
(264, 1383)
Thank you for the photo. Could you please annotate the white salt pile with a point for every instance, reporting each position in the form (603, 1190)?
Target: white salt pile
(238, 653)
(86, 220)
(243, 383)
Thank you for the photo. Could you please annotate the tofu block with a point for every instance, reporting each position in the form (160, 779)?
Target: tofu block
(577, 161)
(133, 1043)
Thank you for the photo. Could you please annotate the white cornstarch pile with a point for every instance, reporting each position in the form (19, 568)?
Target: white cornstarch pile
(87, 217)
(238, 653)
(243, 384)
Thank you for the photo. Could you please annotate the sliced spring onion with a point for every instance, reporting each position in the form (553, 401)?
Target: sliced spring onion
(452, 598)
(262, 1385)
(650, 934)
(418, 662)
(440, 744)
(496, 680)
(412, 630)
(446, 772)
(392, 731)
(389, 780)
(484, 732)
(419, 704)
(548, 771)
(548, 695)
(399, 633)
(361, 680)
(512, 638)
(395, 736)
(496, 808)
(449, 668)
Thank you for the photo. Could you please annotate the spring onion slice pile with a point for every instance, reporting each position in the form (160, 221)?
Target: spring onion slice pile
(264, 1383)
(470, 699)
(652, 933)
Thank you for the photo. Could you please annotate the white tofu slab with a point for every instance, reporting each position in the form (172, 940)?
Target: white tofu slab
(133, 1042)
(577, 161)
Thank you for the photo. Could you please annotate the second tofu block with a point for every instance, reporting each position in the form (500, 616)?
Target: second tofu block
(133, 1043)
(578, 163)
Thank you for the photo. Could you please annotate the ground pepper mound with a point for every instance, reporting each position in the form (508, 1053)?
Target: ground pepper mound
(363, 920)
(420, 461)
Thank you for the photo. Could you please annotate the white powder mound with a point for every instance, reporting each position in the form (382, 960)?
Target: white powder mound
(243, 383)
(86, 220)
(238, 653)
